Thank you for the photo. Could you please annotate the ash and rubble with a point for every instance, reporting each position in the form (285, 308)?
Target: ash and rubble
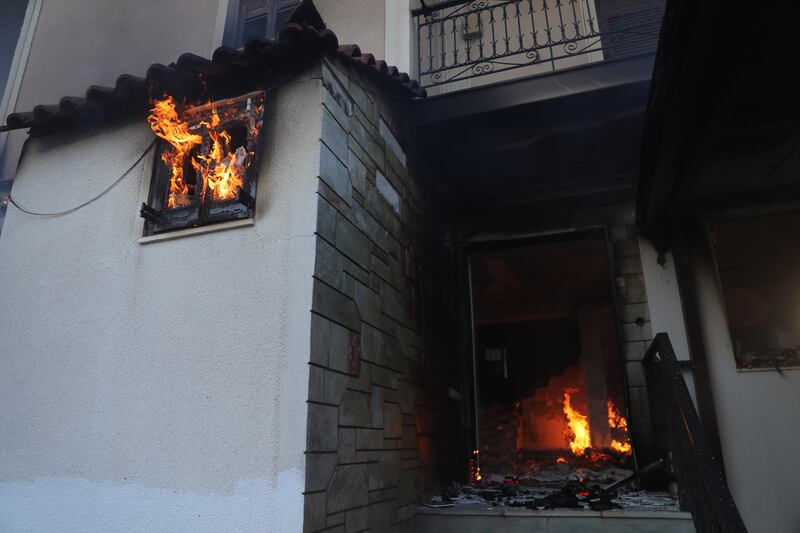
(558, 486)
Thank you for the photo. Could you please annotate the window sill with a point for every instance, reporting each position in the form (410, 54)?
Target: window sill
(188, 232)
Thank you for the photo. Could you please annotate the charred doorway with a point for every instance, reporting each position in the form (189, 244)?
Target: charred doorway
(547, 365)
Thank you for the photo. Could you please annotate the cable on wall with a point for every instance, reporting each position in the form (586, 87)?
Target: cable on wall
(84, 204)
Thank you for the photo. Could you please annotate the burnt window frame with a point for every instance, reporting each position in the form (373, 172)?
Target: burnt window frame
(239, 14)
(777, 362)
(203, 213)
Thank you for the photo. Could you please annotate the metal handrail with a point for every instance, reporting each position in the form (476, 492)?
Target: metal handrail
(463, 39)
(702, 489)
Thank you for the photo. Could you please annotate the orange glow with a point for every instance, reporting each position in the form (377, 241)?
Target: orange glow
(579, 434)
(561, 460)
(166, 124)
(617, 421)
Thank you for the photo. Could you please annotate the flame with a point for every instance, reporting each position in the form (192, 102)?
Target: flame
(166, 124)
(579, 434)
(561, 460)
(223, 169)
(475, 467)
(220, 169)
(617, 421)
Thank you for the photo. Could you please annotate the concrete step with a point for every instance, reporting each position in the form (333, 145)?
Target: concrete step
(492, 520)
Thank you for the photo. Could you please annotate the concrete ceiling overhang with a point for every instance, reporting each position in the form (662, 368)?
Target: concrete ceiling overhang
(574, 133)
(722, 125)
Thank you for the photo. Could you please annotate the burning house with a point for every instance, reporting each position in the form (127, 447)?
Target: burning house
(279, 284)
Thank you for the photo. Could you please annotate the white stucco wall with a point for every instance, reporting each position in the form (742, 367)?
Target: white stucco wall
(78, 43)
(758, 414)
(361, 22)
(156, 387)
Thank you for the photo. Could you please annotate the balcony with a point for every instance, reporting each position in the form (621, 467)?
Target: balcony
(465, 44)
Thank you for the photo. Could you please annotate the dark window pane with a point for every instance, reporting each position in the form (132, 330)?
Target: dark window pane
(252, 7)
(283, 16)
(758, 259)
(256, 27)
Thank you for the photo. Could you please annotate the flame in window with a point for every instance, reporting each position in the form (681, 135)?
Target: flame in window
(222, 168)
(166, 124)
(219, 167)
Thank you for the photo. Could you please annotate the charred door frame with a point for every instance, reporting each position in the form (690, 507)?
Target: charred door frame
(497, 242)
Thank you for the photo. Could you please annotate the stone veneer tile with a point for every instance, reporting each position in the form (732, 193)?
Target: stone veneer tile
(354, 409)
(361, 155)
(635, 373)
(358, 172)
(378, 395)
(357, 520)
(335, 386)
(629, 265)
(631, 289)
(634, 312)
(334, 136)
(319, 469)
(340, 356)
(362, 100)
(332, 304)
(392, 421)
(372, 146)
(385, 377)
(369, 439)
(629, 248)
(338, 106)
(634, 351)
(635, 332)
(385, 473)
(369, 309)
(316, 384)
(334, 173)
(382, 515)
(347, 445)
(314, 514)
(351, 242)
(321, 429)
(326, 220)
(348, 488)
(328, 265)
(388, 192)
(391, 142)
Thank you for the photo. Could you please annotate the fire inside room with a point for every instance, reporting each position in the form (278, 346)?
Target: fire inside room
(208, 154)
(550, 392)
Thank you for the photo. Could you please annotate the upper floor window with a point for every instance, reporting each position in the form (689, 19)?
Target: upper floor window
(758, 263)
(256, 18)
(208, 163)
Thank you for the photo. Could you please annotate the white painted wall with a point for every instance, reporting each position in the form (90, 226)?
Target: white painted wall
(157, 387)
(398, 36)
(758, 414)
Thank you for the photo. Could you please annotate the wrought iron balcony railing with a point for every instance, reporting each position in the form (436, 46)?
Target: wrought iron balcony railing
(460, 40)
(702, 489)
